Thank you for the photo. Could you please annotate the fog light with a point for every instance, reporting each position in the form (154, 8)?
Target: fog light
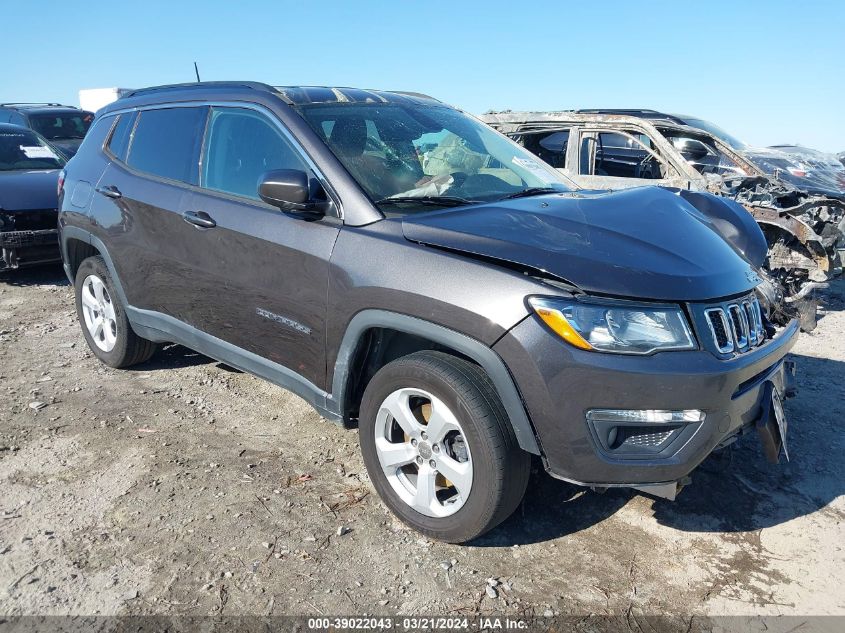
(647, 416)
(639, 432)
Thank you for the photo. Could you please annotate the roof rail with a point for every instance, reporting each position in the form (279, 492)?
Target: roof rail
(198, 85)
(644, 113)
(408, 93)
(35, 105)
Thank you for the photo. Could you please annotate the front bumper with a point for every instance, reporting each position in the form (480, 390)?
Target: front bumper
(560, 384)
(28, 248)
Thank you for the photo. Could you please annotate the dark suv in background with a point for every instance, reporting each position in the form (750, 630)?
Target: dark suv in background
(64, 126)
(403, 267)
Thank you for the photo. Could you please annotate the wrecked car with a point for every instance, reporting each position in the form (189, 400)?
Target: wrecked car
(29, 173)
(806, 169)
(404, 268)
(615, 151)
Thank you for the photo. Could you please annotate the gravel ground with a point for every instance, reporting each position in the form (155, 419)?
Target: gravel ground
(185, 487)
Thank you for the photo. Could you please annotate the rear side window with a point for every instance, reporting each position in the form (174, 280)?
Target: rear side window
(242, 146)
(166, 143)
(119, 143)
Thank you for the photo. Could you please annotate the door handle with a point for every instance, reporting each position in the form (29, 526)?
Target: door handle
(109, 191)
(199, 218)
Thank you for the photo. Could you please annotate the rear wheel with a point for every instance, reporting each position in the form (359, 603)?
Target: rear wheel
(439, 448)
(103, 318)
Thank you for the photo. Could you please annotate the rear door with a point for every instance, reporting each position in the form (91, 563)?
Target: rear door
(140, 199)
(620, 159)
(258, 277)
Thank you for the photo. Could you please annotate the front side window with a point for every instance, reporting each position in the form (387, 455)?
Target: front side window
(241, 147)
(411, 154)
(704, 156)
(60, 127)
(26, 150)
(166, 142)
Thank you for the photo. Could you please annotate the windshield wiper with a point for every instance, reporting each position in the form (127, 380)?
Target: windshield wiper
(440, 201)
(532, 191)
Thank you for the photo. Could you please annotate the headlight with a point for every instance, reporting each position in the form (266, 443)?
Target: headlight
(616, 327)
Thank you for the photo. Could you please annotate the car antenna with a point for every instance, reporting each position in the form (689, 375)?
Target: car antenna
(197, 71)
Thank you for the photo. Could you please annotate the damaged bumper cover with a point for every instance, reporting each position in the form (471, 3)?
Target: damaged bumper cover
(28, 248)
(721, 398)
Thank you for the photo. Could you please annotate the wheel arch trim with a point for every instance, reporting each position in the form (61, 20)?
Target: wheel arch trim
(472, 348)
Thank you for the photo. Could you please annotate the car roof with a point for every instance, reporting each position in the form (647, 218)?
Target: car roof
(292, 95)
(11, 127)
(41, 107)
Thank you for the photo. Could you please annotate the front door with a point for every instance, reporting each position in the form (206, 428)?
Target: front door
(259, 276)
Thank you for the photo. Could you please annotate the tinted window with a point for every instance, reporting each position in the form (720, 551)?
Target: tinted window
(119, 142)
(242, 146)
(166, 142)
(61, 126)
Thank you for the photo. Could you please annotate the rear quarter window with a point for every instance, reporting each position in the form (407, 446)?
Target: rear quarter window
(166, 143)
(119, 141)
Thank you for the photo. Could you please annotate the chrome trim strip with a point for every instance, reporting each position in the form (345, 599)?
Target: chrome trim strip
(709, 315)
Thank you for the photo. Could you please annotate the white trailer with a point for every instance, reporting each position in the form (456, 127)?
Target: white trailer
(93, 99)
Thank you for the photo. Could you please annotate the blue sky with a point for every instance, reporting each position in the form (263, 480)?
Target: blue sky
(769, 72)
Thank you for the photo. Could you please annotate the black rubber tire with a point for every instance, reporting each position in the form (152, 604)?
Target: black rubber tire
(129, 349)
(500, 468)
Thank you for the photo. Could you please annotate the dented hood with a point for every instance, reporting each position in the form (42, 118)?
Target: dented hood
(645, 243)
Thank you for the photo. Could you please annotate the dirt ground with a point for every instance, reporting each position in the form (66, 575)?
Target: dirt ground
(185, 487)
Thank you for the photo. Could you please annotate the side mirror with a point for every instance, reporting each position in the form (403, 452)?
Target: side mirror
(288, 189)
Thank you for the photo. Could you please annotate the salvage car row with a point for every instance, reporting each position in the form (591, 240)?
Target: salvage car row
(407, 270)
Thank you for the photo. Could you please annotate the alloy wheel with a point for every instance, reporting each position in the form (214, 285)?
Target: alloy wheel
(423, 452)
(98, 312)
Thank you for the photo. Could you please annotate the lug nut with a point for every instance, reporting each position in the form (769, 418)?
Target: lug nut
(432, 463)
(414, 442)
(424, 435)
(436, 448)
(420, 460)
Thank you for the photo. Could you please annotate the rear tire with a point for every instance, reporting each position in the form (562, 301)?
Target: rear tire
(103, 318)
(454, 436)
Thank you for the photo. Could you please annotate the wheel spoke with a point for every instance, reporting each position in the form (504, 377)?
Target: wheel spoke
(441, 421)
(97, 286)
(109, 333)
(459, 473)
(398, 407)
(393, 455)
(425, 497)
(89, 300)
(98, 324)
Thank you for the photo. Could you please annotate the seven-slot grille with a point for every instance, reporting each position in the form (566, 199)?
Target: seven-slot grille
(736, 326)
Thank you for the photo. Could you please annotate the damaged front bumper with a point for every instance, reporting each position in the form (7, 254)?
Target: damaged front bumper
(721, 399)
(28, 248)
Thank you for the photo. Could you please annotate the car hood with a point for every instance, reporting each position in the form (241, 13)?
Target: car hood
(22, 190)
(645, 243)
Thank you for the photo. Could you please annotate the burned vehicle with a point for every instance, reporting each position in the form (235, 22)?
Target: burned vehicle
(619, 151)
(29, 173)
(409, 271)
(827, 168)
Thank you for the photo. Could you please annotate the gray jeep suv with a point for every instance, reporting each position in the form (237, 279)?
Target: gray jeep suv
(405, 268)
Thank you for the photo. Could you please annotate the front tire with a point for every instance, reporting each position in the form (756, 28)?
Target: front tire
(103, 318)
(439, 448)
